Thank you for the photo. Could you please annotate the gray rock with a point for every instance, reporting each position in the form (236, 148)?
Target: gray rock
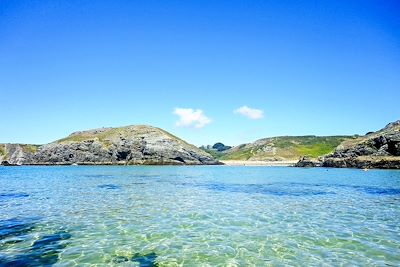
(379, 149)
(121, 146)
(308, 162)
(16, 154)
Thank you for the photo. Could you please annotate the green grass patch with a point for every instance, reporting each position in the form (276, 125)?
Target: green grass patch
(315, 150)
(2, 150)
(241, 154)
(285, 147)
(30, 148)
(75, 138)
(214, 153)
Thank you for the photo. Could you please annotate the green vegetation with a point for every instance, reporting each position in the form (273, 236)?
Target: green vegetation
(216, 150)
(220, 147)
(26, 148)
(214, 153)
(108, 135)
(241, 154)
(30, 148)
(104, 135)
(101, 135)
(2, 150)
(282, 148)
(75, 138)
(175, 137)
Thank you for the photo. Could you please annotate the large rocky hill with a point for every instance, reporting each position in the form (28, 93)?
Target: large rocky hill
(137, 144)
(283, 148)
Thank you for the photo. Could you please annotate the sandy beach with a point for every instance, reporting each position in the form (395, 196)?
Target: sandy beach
(258, 163)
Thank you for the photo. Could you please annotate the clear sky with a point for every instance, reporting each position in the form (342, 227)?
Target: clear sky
(247, 69)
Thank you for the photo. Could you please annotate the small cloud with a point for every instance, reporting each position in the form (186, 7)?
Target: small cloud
(189, 117)
(251, 113)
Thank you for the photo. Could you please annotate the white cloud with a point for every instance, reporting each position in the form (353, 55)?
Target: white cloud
(191, 118)
(251, 113)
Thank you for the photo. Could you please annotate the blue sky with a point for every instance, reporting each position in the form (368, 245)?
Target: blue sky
(310, 67)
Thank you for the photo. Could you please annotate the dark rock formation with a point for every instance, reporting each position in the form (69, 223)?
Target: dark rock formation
(5, 163)
(379, 149)
(363, 162)
(308, 162)
(142, 145)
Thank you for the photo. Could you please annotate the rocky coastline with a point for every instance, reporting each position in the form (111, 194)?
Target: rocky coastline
(375, 150)
(131, 145)
(147, 145)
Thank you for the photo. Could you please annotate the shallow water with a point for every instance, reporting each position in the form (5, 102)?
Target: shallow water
(191, 216)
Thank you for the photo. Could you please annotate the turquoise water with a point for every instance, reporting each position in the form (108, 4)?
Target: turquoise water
(198, 216)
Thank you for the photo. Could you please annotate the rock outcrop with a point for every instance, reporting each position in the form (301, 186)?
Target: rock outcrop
(16, 154)
(131, 145)
(308, 162)
(379, 149)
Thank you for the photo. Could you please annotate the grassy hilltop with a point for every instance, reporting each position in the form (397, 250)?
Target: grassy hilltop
(282, 148)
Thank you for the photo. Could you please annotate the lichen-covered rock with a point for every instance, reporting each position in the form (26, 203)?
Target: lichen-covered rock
(125, 145)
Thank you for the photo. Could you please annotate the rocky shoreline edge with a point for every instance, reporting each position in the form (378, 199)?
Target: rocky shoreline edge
(360, 162)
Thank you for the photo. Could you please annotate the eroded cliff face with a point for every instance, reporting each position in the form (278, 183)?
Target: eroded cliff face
(379, 149)
(137, 144)
(16, 154)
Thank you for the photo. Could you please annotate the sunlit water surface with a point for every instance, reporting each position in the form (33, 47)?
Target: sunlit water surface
(198, 216)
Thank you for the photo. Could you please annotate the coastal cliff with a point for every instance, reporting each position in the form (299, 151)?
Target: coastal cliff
(380, 149)
(131, 145)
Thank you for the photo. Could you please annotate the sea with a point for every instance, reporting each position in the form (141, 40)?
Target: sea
(198, 216)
